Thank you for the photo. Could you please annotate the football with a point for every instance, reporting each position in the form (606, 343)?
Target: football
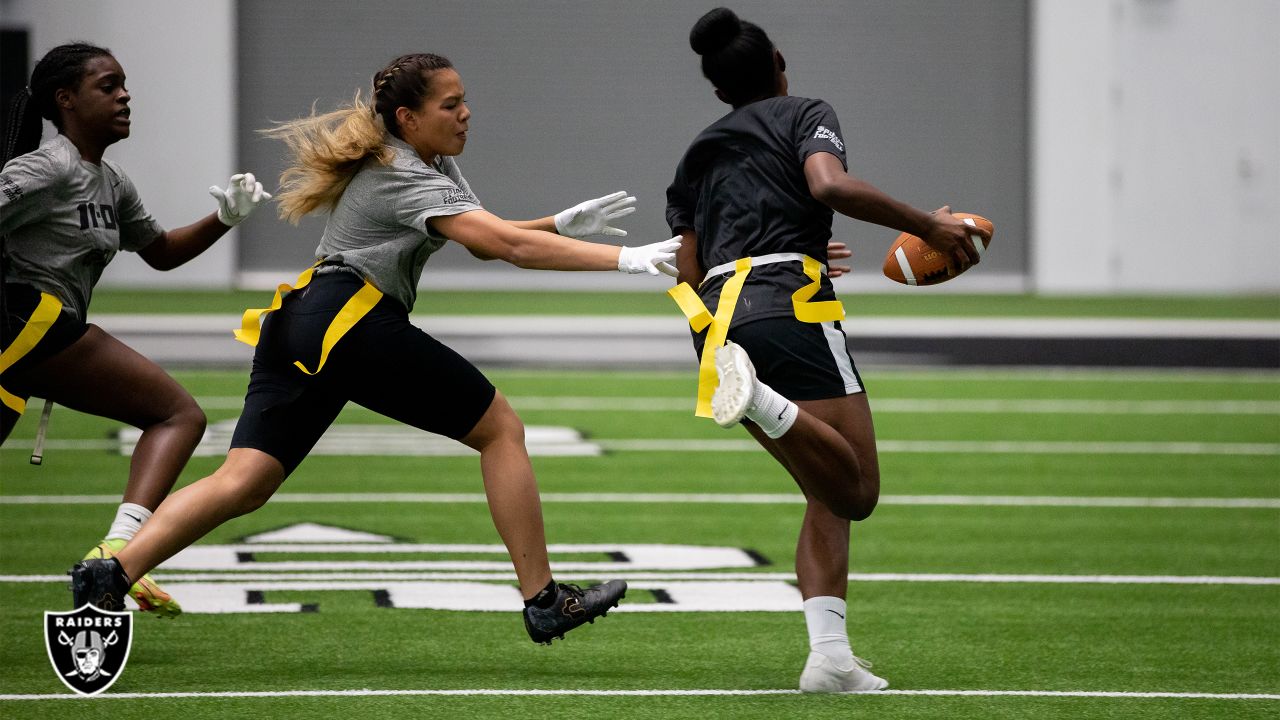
(911, 262)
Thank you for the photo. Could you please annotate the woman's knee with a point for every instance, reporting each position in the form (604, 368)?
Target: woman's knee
(863, 507)
(246, 481)
(172, 406)
(500, 423)
(858, 501)
(255, 498)
(852, 509)
(243, 495)
(190, 415)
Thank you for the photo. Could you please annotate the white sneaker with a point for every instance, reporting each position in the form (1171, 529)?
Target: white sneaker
(822, 675)
(737, 381)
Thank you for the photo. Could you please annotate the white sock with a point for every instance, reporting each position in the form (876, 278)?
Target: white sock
(129, 519)
(772, 412)
(825, 618)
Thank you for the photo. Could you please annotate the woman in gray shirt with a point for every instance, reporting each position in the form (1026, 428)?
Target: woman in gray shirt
(394, 195)
(65, 211)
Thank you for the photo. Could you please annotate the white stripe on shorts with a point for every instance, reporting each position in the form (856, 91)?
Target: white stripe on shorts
(840, 354)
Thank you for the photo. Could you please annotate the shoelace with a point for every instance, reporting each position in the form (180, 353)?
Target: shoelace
(572, 589)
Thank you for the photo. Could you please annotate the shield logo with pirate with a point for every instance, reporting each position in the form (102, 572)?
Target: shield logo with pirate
(88, 647)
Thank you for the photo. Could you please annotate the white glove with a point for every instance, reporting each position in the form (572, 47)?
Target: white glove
(242, 195)
(651, 259)
(593, 216)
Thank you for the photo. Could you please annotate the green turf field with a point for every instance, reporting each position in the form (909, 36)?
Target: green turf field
(1091, 535)
(894, 303)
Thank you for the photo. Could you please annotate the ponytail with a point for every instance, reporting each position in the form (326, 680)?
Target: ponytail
(61, 67)
(22, 132)
(327, 151)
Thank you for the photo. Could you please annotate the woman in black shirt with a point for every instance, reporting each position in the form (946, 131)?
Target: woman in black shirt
(753, 198)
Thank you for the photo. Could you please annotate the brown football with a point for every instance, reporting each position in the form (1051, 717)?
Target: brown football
(911, 262)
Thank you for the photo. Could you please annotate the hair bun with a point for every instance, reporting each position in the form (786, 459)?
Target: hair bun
(714, 31)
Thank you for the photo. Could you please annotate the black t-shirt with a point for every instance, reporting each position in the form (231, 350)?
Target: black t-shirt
(741, 188)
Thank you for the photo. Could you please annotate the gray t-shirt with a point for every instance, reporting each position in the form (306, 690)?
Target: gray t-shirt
(379, 226)
(65, 218)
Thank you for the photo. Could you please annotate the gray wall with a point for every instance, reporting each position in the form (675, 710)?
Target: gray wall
(1155, 149)
(573, 100)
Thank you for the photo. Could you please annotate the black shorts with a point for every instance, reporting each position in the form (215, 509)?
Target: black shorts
(383, 363)
(19, 302)
(802, 361)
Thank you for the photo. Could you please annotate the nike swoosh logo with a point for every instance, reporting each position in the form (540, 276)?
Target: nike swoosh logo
(780, 414)
(135, 518)
(833, 612)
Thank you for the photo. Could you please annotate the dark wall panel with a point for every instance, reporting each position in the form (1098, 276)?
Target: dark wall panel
(14, 70)
(574, 99)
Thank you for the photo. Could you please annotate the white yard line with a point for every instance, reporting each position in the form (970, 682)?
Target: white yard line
(713, 499)
(971, 373)
(1077, 374)
(672, 576)
(888, 405)
(495, 692)
(1080, 407)
(950, 447)
(909, 405)
(24, 446)
(957, 447)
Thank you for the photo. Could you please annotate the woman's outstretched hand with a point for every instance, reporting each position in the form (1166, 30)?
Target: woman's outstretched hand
(593, 216)
(243, 194)
(653, 258)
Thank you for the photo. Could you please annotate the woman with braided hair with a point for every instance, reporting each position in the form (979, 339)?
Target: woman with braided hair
(385, 174)
(65, 211)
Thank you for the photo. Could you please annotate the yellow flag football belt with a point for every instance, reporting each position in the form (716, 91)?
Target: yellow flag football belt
(357, 307)
(42, 318)
(717, 325)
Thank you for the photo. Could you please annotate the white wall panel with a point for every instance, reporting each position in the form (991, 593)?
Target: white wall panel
(180, 63)
(1156, 146)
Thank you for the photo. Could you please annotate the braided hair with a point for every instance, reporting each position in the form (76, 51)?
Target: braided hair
(327, 150)
(61, 67)
(404, 83)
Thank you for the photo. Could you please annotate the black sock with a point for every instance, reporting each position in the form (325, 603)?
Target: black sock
(545, 596)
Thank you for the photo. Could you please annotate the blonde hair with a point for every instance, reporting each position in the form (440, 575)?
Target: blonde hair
(327, 151)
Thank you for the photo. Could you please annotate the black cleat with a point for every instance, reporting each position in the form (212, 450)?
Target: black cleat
(572, 607)
(100, 583)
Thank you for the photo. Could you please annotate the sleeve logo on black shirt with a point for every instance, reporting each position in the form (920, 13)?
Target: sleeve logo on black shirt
(824, 132)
